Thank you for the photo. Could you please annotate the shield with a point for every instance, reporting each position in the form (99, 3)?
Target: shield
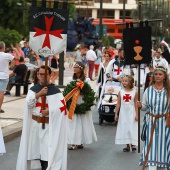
(48, 30)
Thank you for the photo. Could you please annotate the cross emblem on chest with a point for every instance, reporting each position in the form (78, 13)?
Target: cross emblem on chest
(64, 107)
(41, 104)
(127, 97)
(118, 70)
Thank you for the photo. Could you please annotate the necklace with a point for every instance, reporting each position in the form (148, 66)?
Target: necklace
(158, 88)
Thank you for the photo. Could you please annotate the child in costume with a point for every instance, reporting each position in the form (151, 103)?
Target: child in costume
(127, 129)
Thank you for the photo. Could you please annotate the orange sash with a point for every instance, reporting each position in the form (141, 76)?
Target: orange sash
(75, 94)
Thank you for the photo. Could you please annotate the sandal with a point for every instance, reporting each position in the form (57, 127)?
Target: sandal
(80, 146)
(2, 111)
(127, 149)
(73, 147)
(133, 148)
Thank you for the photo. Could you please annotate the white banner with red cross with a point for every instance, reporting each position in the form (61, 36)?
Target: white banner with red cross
(48, 30)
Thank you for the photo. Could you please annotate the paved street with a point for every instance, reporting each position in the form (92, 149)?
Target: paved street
(102, 155)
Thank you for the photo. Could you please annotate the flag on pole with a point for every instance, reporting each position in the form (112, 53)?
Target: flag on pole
(48, 30)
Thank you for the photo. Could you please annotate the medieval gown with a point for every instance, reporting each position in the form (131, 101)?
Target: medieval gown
(154, 101)
(127, 128)
(80, 128)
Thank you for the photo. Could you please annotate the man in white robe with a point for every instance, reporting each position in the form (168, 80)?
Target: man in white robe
(47, 146)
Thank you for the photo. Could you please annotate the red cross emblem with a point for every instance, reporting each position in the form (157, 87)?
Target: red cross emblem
(127, 97)
(118, 70)
(48, 23)
(63, 108)
(41, 104)
(156, 65)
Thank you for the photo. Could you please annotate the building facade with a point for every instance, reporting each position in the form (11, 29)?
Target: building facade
(112, 13)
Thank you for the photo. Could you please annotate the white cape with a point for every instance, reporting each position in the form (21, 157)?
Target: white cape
(2, 145)
(57, 149)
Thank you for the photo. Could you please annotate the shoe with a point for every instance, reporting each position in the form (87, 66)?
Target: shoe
(127, 149)
(7, 93)
(73, 147)
(2, 111)
(133, 148)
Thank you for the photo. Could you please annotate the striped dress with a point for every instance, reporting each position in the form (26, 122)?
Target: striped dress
(154, 101)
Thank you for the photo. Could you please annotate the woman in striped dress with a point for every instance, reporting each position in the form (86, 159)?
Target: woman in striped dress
(156, 101)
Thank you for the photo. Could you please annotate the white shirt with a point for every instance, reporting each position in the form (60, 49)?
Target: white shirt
(91, 55)
(5, 58)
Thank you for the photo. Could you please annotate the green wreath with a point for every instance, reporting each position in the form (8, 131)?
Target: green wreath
(88, 97)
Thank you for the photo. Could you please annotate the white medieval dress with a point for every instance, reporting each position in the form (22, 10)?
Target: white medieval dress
(127, 128)
(155, 102)
(49, 144)
(2, 145)
(81, 129)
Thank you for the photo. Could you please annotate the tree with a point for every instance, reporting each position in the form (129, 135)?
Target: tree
(106, 41)
(10, 36)
(13, 16)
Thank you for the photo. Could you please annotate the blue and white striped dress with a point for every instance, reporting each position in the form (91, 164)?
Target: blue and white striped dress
(154, 101)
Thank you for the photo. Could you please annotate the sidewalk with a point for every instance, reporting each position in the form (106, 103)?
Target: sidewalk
(11, 121)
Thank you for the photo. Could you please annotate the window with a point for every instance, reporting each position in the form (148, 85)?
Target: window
(121, 1)
(127, 14)
(85, 12)
(106, 14)
(120, 30)
(104, 1)
(110, 30)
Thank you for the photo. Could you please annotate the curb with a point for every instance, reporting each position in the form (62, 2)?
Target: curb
(12, 131)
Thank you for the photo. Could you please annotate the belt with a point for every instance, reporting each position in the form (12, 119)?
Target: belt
(151, 137)
(40, 119)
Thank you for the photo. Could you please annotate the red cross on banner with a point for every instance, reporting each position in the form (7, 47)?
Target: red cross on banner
(127, 97)
(39, 32)
(118, 70)
(63, 108)
(41, 104)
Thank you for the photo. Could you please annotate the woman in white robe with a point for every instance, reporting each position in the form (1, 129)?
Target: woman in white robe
(80, 128)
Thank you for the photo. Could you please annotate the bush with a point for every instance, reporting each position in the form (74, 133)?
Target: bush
(111, 40)
(106, 41)
(10, 36)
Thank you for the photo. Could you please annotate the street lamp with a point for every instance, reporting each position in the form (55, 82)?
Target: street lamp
(23, 6)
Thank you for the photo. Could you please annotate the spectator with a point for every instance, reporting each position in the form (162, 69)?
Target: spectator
(98, 61)
(91, 57)
(84, 59)
(17, 76)
(78, 53)
(5, 58)
(24, 39)
(54, 68)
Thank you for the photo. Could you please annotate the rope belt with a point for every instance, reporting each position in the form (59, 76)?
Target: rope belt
(40, 119)
(151, 137)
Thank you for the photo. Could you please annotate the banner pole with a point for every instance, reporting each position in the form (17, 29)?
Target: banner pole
(140, 17)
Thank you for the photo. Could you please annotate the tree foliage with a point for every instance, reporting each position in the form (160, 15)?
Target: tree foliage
(16, 17)
(10, 36)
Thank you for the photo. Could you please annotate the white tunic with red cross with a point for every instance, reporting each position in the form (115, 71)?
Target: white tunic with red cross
(127, 129)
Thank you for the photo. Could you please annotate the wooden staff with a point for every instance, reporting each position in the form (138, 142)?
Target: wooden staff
(140, 10)
(45, 84)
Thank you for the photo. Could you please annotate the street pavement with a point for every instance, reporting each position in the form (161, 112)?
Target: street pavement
(101, 155)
